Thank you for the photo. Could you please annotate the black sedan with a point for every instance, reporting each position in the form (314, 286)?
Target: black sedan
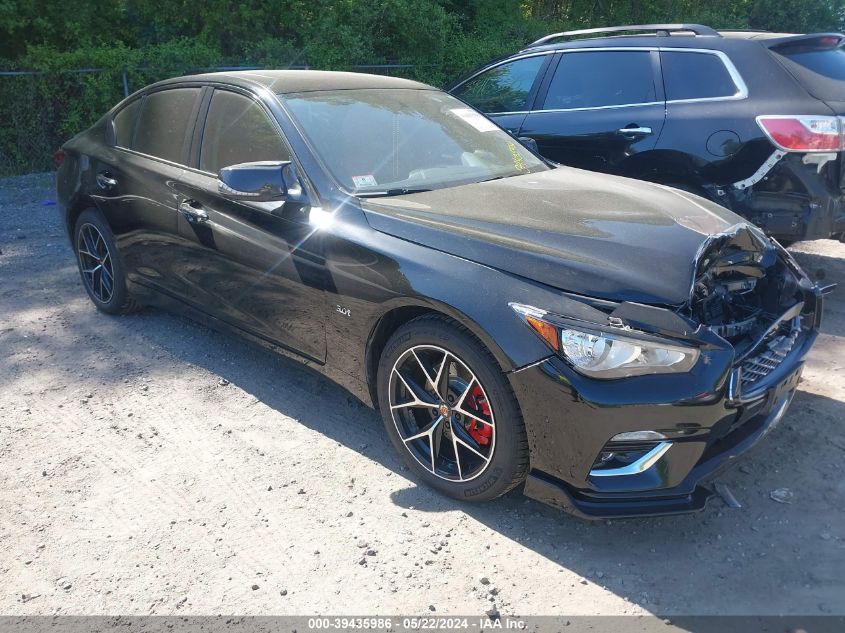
(607, 344)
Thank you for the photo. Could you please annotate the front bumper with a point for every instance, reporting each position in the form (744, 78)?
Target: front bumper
(570, 418)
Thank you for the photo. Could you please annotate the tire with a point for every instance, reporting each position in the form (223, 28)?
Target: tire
(100, 266)
(481, 423)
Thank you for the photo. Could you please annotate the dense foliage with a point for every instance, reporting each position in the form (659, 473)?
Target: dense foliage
(149, 40)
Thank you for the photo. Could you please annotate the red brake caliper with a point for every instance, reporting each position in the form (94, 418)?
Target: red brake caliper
(480, 432)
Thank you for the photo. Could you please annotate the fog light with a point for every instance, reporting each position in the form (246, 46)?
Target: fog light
(638, 436)
(630, 460)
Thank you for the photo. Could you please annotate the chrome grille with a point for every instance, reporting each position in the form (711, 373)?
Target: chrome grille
(771, 356)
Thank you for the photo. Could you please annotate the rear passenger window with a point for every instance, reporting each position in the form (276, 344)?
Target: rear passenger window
(237, 130)
(504, 88)
(601, 78)
(695, 76)
(124, 124)
(163, 124)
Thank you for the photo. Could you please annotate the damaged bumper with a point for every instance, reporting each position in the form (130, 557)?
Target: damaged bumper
(702, 438)
(649, 444)
(797, 197)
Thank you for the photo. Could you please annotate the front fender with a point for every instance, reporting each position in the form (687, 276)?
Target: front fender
(373, 274)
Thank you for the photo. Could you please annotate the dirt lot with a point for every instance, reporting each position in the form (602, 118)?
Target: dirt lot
(149, 465)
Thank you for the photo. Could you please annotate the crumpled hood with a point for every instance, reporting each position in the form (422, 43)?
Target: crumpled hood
(587, 233)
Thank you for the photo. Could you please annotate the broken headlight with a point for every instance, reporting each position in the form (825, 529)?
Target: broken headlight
(603, 354)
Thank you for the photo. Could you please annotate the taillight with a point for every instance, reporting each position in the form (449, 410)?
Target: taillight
(803, 133)
(58, 158)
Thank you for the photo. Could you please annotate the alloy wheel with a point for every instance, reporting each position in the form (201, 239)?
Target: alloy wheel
(442, 413)
(95, 262)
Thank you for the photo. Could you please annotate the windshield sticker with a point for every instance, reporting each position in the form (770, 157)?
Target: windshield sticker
(517, 159)
(367, 180)
(476, 120)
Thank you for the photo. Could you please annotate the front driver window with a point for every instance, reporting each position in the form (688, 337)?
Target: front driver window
(237, 130)
(504, 88)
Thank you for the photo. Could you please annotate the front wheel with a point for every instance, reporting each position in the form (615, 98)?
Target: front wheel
(450, 412)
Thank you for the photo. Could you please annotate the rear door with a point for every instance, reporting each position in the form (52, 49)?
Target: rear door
(258, 266)
(137, 192)
(506, 91)
(701, 125)
(600, 108)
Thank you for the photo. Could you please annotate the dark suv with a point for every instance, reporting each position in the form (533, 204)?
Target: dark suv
(750, 120)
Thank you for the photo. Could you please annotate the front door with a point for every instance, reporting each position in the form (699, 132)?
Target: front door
(258, 266)
(601, 108)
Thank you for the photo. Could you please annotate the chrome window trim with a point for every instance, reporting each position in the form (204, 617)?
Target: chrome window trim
(607, 107)
(149, 156)
(742, 88)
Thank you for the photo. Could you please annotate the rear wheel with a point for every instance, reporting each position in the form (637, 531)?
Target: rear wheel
(450, 411)
(99, 265)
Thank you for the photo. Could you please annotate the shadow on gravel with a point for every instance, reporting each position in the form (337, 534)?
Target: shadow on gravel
(686, 564)
(665, 555)
(699, 560)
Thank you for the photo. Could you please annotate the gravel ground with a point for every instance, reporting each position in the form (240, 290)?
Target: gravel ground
(151, 466)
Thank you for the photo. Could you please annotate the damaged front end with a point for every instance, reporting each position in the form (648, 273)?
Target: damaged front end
(652, 444)
(749, 291)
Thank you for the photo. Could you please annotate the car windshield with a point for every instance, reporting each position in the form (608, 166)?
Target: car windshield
(393, 141)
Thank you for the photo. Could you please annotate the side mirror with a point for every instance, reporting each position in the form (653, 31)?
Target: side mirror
(263, 181)
(530, 143)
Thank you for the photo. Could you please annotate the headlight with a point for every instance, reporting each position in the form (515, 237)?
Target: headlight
(606, 355)
(602, 354)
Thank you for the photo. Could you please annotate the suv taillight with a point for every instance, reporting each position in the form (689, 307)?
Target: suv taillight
(803, 133)
(58, 158)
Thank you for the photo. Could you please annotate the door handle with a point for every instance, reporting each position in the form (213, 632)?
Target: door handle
(193, 211)
(105, 180)
(634, 131)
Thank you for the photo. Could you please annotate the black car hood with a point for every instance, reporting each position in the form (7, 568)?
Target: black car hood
(583, 232)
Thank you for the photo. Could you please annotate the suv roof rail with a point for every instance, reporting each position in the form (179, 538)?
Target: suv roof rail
(744, 31)
(662, 29)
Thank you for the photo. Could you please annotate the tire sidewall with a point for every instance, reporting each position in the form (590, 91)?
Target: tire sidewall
(119, 293)
(497, 478)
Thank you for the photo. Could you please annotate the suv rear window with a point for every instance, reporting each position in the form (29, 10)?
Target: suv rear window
(695, 76)
(601, 78)
(820, 70)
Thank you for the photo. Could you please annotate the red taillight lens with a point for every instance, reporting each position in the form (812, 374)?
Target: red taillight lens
(830, 40)
(803, 133)
(58, 158)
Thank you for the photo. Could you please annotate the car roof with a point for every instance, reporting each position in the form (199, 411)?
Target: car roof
(288, 81)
